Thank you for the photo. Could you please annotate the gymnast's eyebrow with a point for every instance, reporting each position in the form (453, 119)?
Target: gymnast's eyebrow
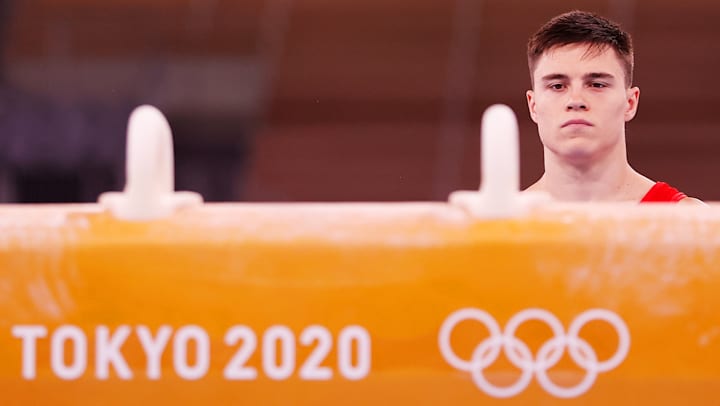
(598, 75)
(554, 76)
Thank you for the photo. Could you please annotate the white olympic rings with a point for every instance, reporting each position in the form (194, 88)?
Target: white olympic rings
(519, 354)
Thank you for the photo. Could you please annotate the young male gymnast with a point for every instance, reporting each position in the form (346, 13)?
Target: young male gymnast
(581, 70)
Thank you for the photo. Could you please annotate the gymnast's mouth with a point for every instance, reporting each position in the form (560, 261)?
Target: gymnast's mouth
(578, 122)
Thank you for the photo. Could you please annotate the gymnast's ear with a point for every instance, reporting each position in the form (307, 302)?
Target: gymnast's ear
(531, 105)
(633, 98)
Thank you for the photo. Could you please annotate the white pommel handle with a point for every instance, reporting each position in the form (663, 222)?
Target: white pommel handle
(499, 195)
(149, 186)
(500, 158)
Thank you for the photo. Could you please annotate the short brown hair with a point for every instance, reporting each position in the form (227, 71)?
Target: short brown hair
(582, 27)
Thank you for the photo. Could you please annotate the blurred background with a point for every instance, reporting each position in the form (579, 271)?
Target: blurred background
(323, 100)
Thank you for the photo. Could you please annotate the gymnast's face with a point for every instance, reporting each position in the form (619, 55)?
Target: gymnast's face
(580, 102)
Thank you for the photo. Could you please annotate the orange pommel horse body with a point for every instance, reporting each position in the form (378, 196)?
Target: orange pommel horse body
(406, 303)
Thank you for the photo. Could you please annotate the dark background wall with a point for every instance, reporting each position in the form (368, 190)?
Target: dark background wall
(282, 100)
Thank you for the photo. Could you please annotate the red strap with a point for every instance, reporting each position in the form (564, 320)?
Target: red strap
(662, 192)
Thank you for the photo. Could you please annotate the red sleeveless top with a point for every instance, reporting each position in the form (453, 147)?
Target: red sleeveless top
(662, 192)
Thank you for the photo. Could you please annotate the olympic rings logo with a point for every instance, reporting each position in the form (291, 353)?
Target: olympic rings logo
(549, 354)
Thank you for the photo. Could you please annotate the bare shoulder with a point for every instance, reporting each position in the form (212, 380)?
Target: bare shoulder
(693, 201)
